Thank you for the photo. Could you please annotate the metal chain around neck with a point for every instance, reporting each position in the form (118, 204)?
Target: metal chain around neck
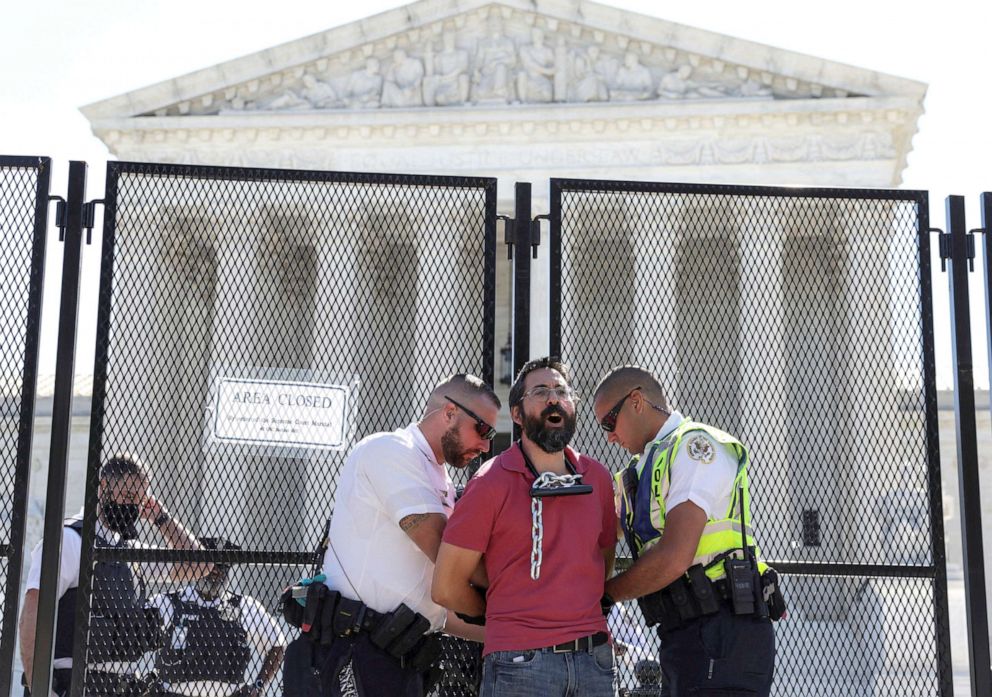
(547, 480)
(537, 535)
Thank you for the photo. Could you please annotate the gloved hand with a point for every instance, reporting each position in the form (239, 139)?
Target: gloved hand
(478, 620)
(606, 604)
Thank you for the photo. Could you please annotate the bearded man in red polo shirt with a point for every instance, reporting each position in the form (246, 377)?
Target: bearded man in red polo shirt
(542, 519)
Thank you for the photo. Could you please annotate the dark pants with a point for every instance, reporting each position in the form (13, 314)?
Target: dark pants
(61, 681)
(375, 672)
(723, 655)
(299, 669)
(100, 683)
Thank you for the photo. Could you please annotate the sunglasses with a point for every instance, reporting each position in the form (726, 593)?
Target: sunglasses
(609, 422)
(481, 427)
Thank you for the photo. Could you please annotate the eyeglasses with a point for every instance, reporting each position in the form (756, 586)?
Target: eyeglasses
(609, 422)
(481, 427)
(563, 393)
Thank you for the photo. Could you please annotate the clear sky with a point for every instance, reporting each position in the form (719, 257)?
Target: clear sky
(58, 55)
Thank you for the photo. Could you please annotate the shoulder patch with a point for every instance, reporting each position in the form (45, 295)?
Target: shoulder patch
(701, 449)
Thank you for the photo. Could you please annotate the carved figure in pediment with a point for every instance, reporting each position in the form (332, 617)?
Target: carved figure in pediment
(446, 83)
(286, 101)
(403, 83)
(495, 58)
(364, 88)
(563, 70)
(590, 72)
(753, 88)
(632, 82)
(675, 84)
(318, 93)
(535, 81)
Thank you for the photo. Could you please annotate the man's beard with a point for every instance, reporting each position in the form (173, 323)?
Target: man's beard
(550, 440)
(454, 450)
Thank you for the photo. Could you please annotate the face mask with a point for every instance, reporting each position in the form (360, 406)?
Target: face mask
(211, 586)
(121, 517)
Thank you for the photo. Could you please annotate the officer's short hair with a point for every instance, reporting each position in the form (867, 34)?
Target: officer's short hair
(463, 385)
(219, 544)
(122, 465)
(552, 362)
(629, 377)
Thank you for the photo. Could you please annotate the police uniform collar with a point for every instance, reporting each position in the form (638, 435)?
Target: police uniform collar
(673, 421)
(512, 460)
(420, 440)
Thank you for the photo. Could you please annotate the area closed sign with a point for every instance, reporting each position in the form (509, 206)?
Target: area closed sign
(280, 413)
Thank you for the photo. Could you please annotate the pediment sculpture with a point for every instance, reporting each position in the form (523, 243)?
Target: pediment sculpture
(504, 60)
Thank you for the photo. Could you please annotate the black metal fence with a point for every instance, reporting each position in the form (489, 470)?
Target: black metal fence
(800, 321)
(225, 292)
(24, 186)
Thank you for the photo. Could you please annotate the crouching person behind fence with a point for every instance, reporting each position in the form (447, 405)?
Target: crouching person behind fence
(122, 627)
(210, 635)
(376, 624)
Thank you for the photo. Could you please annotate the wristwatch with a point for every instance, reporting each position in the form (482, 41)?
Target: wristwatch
(162, 518)
(258, 685)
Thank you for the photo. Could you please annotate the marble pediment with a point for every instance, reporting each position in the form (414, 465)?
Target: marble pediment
(453, 54)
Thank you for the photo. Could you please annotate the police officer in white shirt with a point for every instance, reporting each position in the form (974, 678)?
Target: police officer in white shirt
(391, 505)
(684, 512)
(122, 628)
(210, 635)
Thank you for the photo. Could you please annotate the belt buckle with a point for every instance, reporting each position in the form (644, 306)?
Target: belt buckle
(571, 647)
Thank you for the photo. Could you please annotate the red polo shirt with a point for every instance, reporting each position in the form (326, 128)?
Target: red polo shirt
(494, 517)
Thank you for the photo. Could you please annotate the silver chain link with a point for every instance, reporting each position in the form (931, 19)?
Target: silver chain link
(548, 480)
(537, 533)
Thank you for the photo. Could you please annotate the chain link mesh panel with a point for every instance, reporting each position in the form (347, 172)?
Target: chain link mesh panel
(24, 186)
(798, 321)
(253, 326)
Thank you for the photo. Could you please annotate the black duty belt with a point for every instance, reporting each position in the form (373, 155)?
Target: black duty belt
(586, 643)
(721, 587)
(367, 620)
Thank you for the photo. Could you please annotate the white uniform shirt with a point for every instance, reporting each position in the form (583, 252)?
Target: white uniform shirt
(386, 477)
(262, 633)
(702, 472)
(72, 550)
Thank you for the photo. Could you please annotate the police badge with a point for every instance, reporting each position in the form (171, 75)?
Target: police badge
(700, 448)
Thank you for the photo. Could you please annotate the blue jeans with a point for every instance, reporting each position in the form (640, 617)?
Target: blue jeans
(543, 673)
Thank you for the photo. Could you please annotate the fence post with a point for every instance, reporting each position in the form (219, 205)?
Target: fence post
(986, 203)
(14, 552)
(521, 277)
(61, 425)
(956, 248)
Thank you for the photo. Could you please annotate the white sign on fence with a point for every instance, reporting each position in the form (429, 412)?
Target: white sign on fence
(280, 413)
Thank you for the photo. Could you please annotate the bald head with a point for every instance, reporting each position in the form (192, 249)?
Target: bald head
(464, 388)
(623, 379)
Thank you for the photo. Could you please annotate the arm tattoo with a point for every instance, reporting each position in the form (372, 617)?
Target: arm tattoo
(411, 521)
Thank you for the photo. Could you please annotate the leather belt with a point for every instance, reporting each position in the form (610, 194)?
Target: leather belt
(586, 643)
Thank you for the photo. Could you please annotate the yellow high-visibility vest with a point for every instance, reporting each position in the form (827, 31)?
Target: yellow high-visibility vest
(643, 519)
